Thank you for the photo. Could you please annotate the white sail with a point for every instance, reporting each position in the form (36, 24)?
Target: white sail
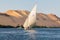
(31, 20)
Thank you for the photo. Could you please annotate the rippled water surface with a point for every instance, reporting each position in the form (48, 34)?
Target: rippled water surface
(33, 34)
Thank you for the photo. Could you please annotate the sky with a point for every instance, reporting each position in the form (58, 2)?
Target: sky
(44, 6)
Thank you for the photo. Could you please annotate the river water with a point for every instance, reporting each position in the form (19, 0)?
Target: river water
(33, 34)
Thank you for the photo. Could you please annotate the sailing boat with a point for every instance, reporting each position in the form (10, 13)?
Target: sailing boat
(31, 19)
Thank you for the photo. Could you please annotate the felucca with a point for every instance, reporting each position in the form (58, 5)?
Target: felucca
(31, 19)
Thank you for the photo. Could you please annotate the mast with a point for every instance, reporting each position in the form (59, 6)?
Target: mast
(31, 19)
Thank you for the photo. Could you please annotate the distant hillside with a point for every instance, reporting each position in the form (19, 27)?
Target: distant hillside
(18, 17)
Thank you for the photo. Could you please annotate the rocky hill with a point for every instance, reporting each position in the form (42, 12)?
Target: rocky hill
(17, 17)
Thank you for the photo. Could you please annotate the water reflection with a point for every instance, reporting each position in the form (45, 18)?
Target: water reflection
(31, 34)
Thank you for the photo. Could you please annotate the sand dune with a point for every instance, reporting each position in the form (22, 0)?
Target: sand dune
(15, 17)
